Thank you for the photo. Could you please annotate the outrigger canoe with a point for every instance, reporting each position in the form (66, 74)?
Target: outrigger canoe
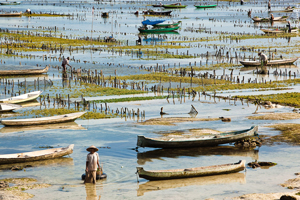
(207, 140)
(157, 30)
(168, 24)
(22, 98)
(270, 63)
(42, 120)
(172, 6)
(191, 172)
(24, 71)
(258, 19)
(8, 107)
(36, 155)
(206, 6)
(19, 14)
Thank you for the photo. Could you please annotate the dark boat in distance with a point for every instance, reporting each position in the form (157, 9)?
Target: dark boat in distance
(207, 140)
(152, 12)
(191, 172)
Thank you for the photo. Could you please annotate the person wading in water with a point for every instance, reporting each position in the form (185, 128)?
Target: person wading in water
(64, 64)
(92, 164)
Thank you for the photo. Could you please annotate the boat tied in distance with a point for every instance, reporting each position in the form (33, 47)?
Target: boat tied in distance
(36, 155)
(258, 19)
(174, 6)
(205, 6)
(174, 24)
(157, 30)
(279, 31)
(201, 141)
(152, 12)
(10, 3)
(22, 98)
(152, 22)
(270, 62)
(191, 172)
(24, 71)
(42, 120)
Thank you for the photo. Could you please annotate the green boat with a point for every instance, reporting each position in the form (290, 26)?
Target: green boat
(158, 30)
(167, 25)
(10, 3)
(173, 6)
(206, 6)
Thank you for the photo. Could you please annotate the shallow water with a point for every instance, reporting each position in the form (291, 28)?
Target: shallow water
(117, 137)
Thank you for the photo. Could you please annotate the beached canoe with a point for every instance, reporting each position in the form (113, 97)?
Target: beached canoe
(276, 31)
(174, 24)
(270, 62)
(152, 22)
(36, 155)
(152, 12)
(42, 120)
(158, 30)
(4, 107)
(22, 98)
(24, 71)
(10, 3)
(206, 6)
(172, 6)
(207, 140)
(258, 19)
(19, 14)
(191, 172)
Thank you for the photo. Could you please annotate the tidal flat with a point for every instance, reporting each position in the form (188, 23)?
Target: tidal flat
(122, 87)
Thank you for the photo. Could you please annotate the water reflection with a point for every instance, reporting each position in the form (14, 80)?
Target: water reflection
(151, 186)
(68, 125)
(148, 156)
(64, 161)
(91, 191)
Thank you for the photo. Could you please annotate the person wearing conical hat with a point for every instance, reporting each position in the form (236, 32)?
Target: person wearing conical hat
(92, 163)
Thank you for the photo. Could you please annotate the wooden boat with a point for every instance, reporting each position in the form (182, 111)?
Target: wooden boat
(206, 6)
(42, 120)
(210, 140)
(36, 155)
(174, 6)
(19, 14)
(161, 154)
(276, 31)
(270, 62)
(197, 181)
(10, 3)
(168, 24)
(152, 12)
(157, 30)
(23, 71)
(257, 19)
(4, 107)
(22, 98)
(191, 172)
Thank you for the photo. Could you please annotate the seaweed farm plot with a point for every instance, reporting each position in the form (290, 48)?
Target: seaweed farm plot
(180, 72)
